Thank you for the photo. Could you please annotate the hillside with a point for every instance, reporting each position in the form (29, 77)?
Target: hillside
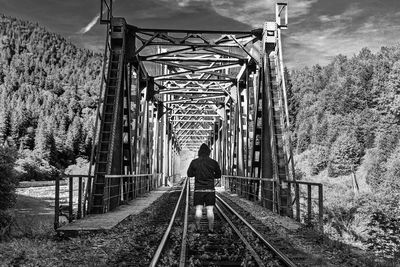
(48, 93)
(346, 124)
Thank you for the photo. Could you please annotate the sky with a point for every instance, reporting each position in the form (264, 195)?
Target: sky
(318, 29)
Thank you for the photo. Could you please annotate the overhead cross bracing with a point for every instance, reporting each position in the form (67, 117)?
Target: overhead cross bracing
(201, 72)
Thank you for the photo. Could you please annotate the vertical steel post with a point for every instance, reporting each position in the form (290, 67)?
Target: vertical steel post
(246, 110)
(239, 130)
(297, 196)
(320, 209)
(57, 203)
(170, 153)
(224, 144)
(155, 143)
(309, 203)
(165, 145)
(71, 200)
(79, 197)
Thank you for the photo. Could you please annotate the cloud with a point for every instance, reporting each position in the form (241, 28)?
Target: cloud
(300, 8)
(340, 34)
(348, 15)
(253, 12)
(90, 25)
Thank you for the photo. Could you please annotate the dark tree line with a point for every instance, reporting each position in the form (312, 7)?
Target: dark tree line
(48, 93)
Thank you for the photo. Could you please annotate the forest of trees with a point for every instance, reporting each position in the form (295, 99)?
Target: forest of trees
(346, 120)
(48, 93)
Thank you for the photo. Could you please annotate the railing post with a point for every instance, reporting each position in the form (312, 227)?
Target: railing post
(320, 208)
(273, 197)
(79, 215)
(130, 188)
(135, 186)
(289, 209)
(150, 177)
(241, 187)
(71, 200)
(149, 182)
(57, 203)
(109, 195)
(297, 196)
(106, 196)
(85, 188)
(309, 203)
(141, 185)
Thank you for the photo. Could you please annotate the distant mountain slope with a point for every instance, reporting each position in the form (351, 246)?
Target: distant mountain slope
(347, 109)
(48, 91)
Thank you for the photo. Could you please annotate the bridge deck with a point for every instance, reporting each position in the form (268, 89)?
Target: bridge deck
(104, 222)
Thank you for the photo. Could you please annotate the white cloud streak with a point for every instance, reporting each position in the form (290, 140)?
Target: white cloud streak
(93, 22)
(90, 25)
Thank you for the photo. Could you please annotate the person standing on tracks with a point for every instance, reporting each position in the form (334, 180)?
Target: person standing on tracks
(204, 170)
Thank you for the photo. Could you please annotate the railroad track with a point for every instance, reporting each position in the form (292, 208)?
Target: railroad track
(235, 241)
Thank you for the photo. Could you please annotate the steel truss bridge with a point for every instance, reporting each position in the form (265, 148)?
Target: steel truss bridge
(164, 91)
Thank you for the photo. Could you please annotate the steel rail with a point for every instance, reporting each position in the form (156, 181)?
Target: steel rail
(157, 254)
(244, 240)
(182, 261)
(277, 252)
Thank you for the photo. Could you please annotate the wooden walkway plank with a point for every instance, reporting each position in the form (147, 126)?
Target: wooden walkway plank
(106, 221)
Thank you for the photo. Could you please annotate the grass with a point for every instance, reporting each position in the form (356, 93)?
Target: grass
(33, 217)
(346, 211)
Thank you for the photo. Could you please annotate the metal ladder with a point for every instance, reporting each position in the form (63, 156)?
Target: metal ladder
(111, 114)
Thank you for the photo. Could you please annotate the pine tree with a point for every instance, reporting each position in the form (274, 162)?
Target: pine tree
(74, 136)
(5, 125)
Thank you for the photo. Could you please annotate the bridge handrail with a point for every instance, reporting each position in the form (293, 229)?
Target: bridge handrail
(130, 186)
(249, 187)
(272, 179)
(76, 203)
(80, 202)
(128, 175)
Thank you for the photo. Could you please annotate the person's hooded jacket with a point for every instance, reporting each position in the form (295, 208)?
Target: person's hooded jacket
(204, 169)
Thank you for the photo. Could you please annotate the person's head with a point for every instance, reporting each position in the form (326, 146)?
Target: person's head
(204, 151)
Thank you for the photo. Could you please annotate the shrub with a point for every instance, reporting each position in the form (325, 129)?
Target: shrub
(392, 174)
(345, 154)
(374, 167)
(80, 167)
(6, 220)
(384, 226)
(33, 167)
(318, 159)
(8, 180)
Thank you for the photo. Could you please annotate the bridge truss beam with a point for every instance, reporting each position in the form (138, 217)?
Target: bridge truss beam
(180, 88)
